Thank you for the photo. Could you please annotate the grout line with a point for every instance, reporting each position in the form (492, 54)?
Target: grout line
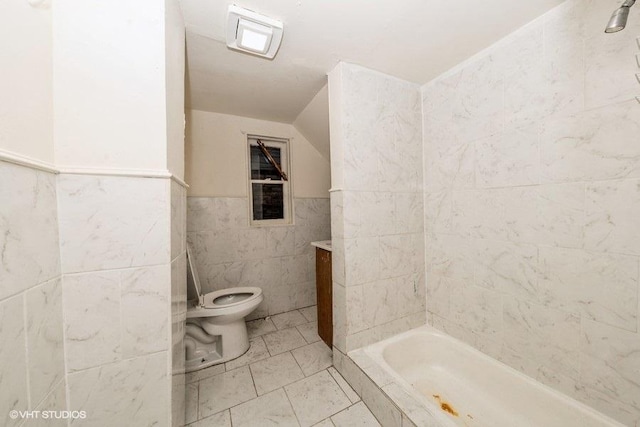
(299, 366)
(119, 269)
(291, 405)
(8, 297)
(253, 381)
(197, 383)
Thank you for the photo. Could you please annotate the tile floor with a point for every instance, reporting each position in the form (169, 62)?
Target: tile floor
(285, 379)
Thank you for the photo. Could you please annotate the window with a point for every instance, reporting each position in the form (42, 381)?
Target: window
(269, 181)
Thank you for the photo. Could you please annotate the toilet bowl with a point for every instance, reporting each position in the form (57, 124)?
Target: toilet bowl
(216, 331)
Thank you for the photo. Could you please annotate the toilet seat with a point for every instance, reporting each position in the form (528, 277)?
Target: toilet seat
(212, 305)
(216, 303)
(230, 297)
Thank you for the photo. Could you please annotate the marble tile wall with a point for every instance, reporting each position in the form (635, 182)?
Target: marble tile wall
(178, 300)
(32, 375)
(118, 238)
(532, 200)
(377, 213)
(278, 259)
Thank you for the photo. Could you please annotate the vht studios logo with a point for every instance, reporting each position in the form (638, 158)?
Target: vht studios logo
(48, 415)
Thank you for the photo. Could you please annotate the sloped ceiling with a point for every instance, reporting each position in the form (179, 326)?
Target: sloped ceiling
(412, 39)
(313, 122)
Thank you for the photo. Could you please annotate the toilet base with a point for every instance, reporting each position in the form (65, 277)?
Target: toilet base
(205, 355)
(232, 342)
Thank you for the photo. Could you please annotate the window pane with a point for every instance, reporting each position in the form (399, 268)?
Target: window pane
(260, 166)
(268, 201)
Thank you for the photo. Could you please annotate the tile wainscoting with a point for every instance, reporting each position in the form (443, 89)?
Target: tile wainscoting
(122, 243)
(278, 259)
(32, 372)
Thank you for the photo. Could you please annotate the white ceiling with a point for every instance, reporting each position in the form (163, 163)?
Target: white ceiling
(412, 39)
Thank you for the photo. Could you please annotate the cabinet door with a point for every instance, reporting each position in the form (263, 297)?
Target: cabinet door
(324, 292)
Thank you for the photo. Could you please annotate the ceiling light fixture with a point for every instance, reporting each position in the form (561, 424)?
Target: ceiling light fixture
(251, 32)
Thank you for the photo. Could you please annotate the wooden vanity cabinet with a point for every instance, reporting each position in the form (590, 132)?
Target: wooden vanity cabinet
(324, 285)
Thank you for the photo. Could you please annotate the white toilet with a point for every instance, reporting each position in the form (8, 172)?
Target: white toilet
(216, 331)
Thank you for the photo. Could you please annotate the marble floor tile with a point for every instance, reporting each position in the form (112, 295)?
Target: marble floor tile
(195, 376)
(356, 415)
(191, 403)
(258, 389)
(313, 358)
(257, 351)
(309, 331)
(275, 372)
(259, 327)
(288, 319)
(284, 340)
(225, 390)
(272, 409)
(221, 419)
(306, 395)
(311, 313)
(344, 385)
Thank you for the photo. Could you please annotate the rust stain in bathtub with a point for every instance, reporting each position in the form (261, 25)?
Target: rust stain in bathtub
(445, 406)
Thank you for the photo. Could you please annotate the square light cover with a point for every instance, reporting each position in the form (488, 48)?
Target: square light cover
(253, 37)
(253, 33)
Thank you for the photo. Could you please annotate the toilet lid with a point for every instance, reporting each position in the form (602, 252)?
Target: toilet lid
(194, 291)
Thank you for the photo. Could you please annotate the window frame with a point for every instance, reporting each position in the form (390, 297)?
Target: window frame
(287, 186)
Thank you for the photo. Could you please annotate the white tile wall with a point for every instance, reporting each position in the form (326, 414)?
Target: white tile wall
(92, 319)
(56, 400)
(44, 338)
(31, 329)
(109, 222)
(14, 358)
(377, 215)
(532, 204)
(128, 392)
(279, 259)
(29, 228)
(178, 302)
(124, 297)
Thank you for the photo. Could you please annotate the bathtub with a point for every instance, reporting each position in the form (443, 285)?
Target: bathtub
(456, 385)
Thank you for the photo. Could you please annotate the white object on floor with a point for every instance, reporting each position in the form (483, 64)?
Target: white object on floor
(216, 331)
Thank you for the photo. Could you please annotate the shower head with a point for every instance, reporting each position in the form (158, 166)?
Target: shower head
(619, 17)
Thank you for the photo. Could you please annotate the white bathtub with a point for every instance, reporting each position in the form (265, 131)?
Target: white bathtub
(460, 386)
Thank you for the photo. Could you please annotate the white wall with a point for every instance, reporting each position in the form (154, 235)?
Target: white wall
(109, 84)
(217, 156)
(175, 82)
(26, 108)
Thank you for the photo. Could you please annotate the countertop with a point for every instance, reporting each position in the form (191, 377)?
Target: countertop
(324, 244)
